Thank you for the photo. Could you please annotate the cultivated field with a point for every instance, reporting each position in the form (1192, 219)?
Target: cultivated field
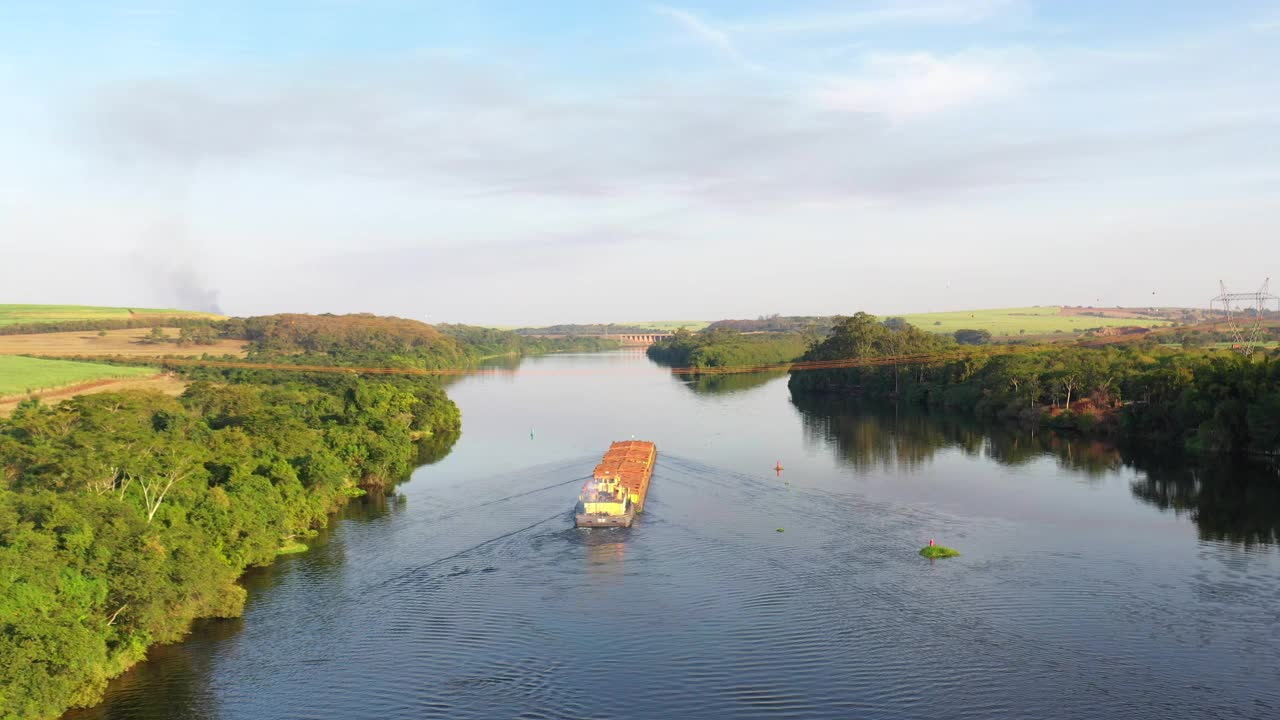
(1014, 321)
(22, 376)
(167, 384)
(14, 314)
(128, 343)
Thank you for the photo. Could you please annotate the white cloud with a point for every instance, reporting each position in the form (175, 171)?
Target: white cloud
(903, 85)
(707, 33)
(944, 12)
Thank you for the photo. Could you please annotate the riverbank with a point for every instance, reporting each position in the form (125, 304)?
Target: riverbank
(1206, 401)
(125, 516)
(1082, 566)
(128, 515)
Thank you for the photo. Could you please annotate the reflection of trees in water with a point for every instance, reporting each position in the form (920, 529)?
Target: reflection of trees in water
(1233, 501)
(1014, 446)
(499, 365)
(871, 435)
(726, 384)
(173, 682)
(869, 439)
(434, 448)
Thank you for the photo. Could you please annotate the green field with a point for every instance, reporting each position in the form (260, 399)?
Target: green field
(15, 314)
(23, 375)
(1009, 321)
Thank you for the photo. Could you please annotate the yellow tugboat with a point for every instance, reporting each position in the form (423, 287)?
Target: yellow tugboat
(616, 490)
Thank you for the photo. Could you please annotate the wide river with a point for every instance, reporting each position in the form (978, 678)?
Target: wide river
(1090, 585)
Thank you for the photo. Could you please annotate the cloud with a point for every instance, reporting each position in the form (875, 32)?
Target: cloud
(710, 35)
(946, 12)
(921, 83)
(476, 131)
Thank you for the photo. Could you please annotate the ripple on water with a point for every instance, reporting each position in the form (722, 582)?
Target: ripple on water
(476, 601)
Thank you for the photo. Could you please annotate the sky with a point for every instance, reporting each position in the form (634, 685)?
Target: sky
(521, 163)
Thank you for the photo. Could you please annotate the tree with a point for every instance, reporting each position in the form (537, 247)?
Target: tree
(896, 324)
(169, 465)
(973, 337)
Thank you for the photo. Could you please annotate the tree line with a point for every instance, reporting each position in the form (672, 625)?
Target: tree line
(722, 347)
(1206, 401)
(124, 516)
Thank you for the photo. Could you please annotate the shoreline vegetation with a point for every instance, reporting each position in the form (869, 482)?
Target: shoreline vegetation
(1204, 401)
(722, 347)
(1143, 393)
(125, 516)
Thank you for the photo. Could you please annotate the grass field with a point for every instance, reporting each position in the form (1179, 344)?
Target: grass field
(14, 314)
(114, 342)
(1013, 321)
(22, 375)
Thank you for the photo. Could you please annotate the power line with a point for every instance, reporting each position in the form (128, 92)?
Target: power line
(1244, 313)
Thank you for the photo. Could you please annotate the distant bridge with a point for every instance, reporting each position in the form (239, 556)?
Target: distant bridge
(627, 339)
(644, 339)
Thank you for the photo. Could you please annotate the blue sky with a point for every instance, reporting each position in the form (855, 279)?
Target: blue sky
(523, 163)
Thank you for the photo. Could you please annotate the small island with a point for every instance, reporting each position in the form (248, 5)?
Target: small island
(938, 551)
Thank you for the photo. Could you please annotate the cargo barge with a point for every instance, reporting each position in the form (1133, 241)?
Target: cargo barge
(616, 490)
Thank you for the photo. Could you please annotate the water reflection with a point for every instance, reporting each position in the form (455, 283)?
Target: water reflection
(470, 601)
(174, 682)
(505, 366)
(726, 384)
(1236, 501)
(606, 551)
(434, 448)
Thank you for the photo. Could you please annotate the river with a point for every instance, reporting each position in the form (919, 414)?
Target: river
(1090, 585)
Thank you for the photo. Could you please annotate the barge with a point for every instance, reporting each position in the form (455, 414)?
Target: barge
(616, 490)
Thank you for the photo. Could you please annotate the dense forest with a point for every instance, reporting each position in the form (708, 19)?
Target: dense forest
(1206, 401)
(724, 347)
(124, 516)
(367, 339)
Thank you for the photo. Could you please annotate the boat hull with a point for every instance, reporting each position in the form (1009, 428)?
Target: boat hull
(600, 520)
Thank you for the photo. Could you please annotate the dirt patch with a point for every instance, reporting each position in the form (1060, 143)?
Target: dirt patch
(126, 343)
(165, 383)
